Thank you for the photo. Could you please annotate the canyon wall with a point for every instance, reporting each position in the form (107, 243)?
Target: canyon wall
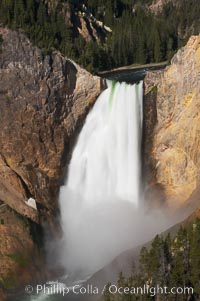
(172, 128)
(21, 253)
(44, 100)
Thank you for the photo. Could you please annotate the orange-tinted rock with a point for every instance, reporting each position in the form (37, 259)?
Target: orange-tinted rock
(173, 147)
(44, 100)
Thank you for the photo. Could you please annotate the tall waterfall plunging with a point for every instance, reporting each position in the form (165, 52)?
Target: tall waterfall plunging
(106, 159)
(102, 191)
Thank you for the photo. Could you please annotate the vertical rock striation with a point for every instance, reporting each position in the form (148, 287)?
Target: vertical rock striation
(172, 127)
(44, 100)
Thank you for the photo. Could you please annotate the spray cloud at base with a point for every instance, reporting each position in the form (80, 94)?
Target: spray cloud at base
(102, 208)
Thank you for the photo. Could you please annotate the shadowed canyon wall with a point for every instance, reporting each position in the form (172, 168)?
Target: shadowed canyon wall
(43, 102)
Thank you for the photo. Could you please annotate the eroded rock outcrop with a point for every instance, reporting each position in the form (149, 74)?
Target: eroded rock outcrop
(172, 126)
(156, 6)
(80, 20)
(44, 100)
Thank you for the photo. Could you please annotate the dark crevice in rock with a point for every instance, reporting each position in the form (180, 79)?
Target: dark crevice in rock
(149, 124)
(26, 189)
(154, 192)
(70, 144)
(89, 29)
(49, 98)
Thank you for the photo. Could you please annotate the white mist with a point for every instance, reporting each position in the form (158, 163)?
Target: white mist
(102, 208)
(101, 203)
(102, 193)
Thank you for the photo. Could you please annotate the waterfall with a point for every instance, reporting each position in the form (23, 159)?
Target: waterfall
(102, 190)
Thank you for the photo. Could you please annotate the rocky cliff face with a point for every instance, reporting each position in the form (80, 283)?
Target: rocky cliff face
(21, 252)
(172, 128)
(156, 6)
(80, 19)
(44, 100)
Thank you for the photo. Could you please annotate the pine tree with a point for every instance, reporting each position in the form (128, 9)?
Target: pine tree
(195, 257)
(157, 47)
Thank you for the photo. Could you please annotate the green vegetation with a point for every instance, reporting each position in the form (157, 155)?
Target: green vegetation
(10, 282)
(1, 41)
(44, 29)
(48, 30)
(36, 232)
(169, 262)
(17, 258)
(154, 91)
(142, 37)
(138, 35)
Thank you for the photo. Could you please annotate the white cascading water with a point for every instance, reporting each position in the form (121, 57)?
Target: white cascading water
(102, 210)
(101, 204)
(103, 184)
(106, 160)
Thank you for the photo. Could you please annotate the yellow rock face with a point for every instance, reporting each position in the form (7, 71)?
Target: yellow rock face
(177, 173)
(175, 146)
